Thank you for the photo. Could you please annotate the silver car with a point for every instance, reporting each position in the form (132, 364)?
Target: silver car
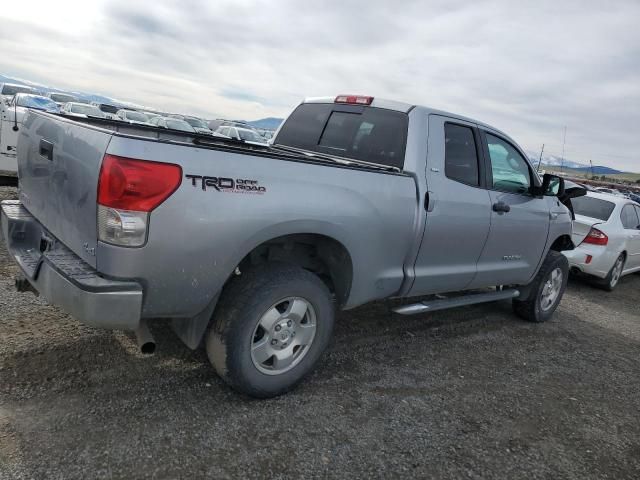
(172, 123)
(606, 231)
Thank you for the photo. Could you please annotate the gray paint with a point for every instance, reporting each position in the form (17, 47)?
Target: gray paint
(62, 192)
(197, 238)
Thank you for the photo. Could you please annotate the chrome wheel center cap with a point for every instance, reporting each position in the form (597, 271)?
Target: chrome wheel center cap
(285, 335)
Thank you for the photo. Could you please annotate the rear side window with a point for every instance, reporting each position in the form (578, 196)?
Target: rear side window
(461, 155)
(629, 217)
(363, 133)
(593, 207)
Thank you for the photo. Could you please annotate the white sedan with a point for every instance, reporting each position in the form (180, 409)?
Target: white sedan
(606, 231)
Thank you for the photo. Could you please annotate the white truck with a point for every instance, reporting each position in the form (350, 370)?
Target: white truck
(12, 112)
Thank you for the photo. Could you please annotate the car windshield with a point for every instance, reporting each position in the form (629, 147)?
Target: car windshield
(62, 98)
(195, 123)
(250, 136)
(10, 90)
(34, 101)
(136, 116)
(593, 207)
(179, 125)
(87, 110)
(371, 134)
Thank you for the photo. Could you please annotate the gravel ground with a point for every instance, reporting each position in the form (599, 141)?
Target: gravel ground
(466, 393)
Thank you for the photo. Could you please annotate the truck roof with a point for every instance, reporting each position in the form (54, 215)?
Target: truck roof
(406, 108)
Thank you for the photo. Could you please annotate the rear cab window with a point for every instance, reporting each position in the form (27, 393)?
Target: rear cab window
(461, 154)
(370, 134)
(593, 207)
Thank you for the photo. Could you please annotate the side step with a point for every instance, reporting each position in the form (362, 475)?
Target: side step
(461, 301)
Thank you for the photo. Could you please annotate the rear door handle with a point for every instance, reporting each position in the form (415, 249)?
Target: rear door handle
(501, 207)
(46, 149)
(429, 201)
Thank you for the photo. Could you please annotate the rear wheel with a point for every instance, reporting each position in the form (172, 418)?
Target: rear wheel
(546, 290)
(613, 277)
(271, 327)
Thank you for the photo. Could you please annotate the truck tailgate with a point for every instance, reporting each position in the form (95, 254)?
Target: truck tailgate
(58, 167)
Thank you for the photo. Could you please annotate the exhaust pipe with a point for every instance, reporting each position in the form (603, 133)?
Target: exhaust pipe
(144, 338)
(23, 285)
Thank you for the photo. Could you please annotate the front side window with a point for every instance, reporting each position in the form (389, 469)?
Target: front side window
(460, 155)
(629, 217)
(510, 170)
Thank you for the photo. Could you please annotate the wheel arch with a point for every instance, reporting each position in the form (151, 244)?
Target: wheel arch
(316, 246)
(321, 254)
(562, 242)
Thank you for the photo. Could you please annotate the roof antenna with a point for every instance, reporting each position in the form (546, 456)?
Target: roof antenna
(540, 161)
(15, 113)
(564, 139)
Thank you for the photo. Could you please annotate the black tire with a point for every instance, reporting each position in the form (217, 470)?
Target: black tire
(531, 309)
(610, 282)
(243, 303)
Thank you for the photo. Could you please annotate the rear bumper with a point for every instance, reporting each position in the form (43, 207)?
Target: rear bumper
(601, 261)
(63, 278)
(8, 165)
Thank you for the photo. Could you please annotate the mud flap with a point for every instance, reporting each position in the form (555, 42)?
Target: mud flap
(191, 330)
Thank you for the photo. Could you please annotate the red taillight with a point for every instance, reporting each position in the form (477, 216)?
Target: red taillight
(596, 237)
(356, 99)
(138, 185)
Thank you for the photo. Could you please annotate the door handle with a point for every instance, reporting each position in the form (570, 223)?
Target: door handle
(46, 149)
(429, 201)
(501, 207)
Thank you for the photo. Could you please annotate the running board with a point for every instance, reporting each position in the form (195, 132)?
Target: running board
(461, 301)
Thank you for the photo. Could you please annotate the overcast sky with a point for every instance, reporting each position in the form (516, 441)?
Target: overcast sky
(528, 70)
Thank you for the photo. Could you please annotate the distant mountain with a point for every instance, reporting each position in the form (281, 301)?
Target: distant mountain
(270, 123)
(44, 89)
(599, 170)
(553, 161)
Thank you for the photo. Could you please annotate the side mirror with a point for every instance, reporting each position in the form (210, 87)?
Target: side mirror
(552, 185)
(574, 190)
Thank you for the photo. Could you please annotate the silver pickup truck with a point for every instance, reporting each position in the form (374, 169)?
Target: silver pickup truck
(251, 248)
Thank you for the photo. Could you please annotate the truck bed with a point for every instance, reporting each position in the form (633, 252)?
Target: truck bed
(198, 235)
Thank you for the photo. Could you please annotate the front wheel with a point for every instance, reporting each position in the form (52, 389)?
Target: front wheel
(271, 327)
(547, 289)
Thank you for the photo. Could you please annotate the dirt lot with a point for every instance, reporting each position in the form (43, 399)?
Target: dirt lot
(468, 393)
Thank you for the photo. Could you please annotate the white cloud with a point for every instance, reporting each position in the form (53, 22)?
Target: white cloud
(529, 69)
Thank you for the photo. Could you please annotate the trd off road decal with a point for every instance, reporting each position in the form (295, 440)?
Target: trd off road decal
(224, 184)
